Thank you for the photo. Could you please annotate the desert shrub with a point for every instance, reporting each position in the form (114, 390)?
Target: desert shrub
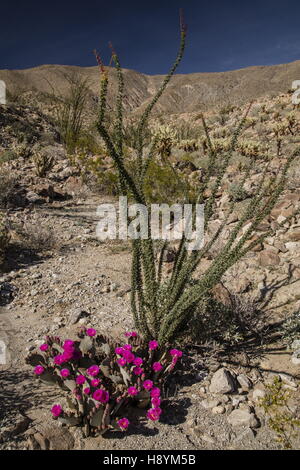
(163, 184)
(35, 236)
(104, 382)
(7, 156)
(165, 320)
(4, 239)
(227, 325)
(237, 193)
(291, 328)
(8, 185)
(284, 421)
(69, 110)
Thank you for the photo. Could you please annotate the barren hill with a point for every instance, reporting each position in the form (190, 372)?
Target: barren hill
(186, 93)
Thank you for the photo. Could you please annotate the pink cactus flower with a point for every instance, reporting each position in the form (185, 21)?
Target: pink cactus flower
(131, 334)
(65, 373)
(128, 356)
(44, 347)
(153, 345)
(138, 361)
(59, 359)
(123, 423)
(153, 414)
(122, 362)
(80, 379)
(101, 395)
(95, 382)
(148, 384)
(68, 344)
(157, 366)
(39, 370)
(93, 371)
(127, 347)
(155, 392)
(132, 391)
(155, 402)
(176, 353)
(56, 410)
(137, 371)
(119, 351)
(87, 390)
(91, 332)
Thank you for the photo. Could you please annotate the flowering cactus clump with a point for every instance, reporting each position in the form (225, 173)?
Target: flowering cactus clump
(103, 379)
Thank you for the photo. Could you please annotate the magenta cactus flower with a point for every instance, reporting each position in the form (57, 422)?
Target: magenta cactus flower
(101, 395)
(137, 370)
(119, 351)
(65, 373)
(128, 356)
(176, 353)
(39, 370)
(122, 362)
(127, 347)
(153, 345)
(153, 414)
(95, 382)
(87, 390)
(44, 347)
(131, 334)
(148, 384)
(93, 371)
(68, 344)
(59, 359)
(132, 391)
(80, 379)
(155, 402)
(155, 392)
(123, 423)
(56, 410)
(157, 366)
(91, 332)
(138, 361)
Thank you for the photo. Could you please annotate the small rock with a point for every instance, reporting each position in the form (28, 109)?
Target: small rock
(218, 410)
(222, 382)
(76, 315)
(207, 404)
(243, 418)
(244, 382)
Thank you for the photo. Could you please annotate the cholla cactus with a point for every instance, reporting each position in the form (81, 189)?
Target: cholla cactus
(250, 148)
(292, 122)
(189, 145)
(166, 137)
(43, 163)
(103, 378)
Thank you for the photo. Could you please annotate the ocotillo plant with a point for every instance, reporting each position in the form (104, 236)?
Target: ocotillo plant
(162, 308)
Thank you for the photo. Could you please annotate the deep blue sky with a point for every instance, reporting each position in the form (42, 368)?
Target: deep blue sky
(222, 34)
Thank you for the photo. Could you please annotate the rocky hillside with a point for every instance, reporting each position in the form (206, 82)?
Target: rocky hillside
(186, 93)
